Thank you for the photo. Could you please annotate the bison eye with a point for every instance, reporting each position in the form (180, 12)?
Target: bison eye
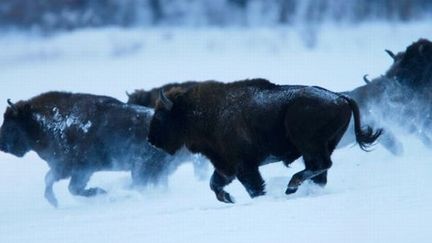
(160, 115)
(157, 115)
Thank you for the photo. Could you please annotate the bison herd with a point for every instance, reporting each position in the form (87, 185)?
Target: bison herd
(237, 126)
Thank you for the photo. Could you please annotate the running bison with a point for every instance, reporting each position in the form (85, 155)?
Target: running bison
(401, 96)
(242, 125)
(79, 134)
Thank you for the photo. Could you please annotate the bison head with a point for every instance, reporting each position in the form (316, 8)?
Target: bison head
(166, 128)
(14, 133)
(413, 67)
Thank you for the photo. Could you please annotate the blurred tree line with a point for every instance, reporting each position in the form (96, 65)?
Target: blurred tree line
(48, 15)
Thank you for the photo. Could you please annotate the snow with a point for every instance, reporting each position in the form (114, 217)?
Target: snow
(60, 122)
(370, 197)
(141, 109)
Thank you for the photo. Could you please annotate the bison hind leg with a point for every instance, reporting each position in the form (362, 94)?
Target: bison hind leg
(302, 176)
(91, 192)
(78, 183)
(316, 169)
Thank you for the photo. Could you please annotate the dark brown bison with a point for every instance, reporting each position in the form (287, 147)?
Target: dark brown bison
(242, 125)
(79, 134)
(401, 96)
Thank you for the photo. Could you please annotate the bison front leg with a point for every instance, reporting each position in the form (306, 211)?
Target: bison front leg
(78, 183)
(217, 183)
(251, 179)
(152, 169)
(50, 179)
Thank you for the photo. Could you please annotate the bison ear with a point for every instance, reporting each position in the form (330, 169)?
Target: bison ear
(167, 103)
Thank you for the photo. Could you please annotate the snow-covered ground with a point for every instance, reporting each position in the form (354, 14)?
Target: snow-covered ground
(370, 197)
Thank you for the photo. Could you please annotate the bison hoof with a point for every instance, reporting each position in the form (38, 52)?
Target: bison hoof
(52, 200)
(254, 194)
(98, 190)
(290, 190)
(224, 197)
(93, 192)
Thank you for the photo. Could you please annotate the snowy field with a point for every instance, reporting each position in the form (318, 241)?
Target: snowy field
(370, 197)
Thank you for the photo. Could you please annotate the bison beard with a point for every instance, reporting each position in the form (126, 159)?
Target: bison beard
(240, 125)
(79, 134)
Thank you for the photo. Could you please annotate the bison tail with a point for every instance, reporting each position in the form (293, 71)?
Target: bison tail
(365, 136)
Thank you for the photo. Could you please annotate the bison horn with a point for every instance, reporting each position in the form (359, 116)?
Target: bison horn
(12, 105)
(127, 93)
(168, 104)
(391, 54)
(365, 78)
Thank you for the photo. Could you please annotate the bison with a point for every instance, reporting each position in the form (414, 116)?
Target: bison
(401, 96)
(242, 125)
(80, 134)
